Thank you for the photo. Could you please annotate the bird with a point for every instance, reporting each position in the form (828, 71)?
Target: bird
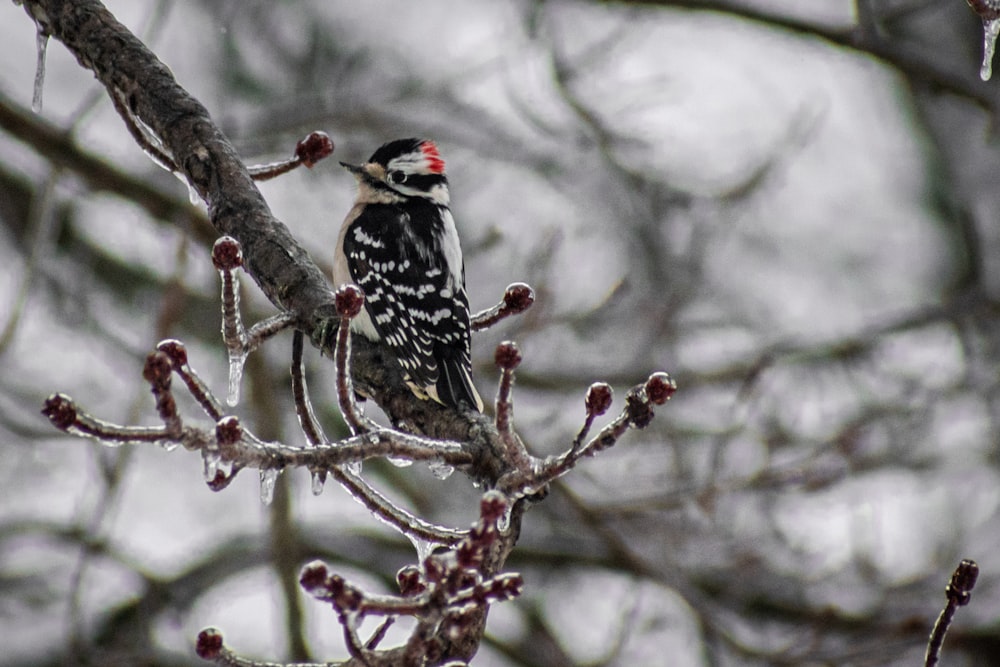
(399, 244)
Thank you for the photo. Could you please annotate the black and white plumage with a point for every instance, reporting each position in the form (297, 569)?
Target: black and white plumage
(400, 246)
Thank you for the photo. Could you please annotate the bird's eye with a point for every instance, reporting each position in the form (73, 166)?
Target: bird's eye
(397, 177)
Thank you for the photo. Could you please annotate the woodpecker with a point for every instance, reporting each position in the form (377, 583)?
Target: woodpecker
(399, 244)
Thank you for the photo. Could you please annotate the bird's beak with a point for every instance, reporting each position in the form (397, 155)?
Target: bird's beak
(353, 168)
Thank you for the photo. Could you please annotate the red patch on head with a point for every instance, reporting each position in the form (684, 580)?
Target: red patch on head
(434, 161)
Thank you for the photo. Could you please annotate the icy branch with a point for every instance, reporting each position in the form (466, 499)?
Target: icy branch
(309, 151)
(375, 502)
(517, 298)
(349, 300)
(507, 358)
(228, 257)
(637, 413)
(230, 445)
(444, 590)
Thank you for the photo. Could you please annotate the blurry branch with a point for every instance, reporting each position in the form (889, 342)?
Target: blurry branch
(41, 224)
(917, 65)
(58, 146)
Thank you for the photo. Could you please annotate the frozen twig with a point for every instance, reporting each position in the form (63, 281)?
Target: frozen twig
(64, 414)
(507, 358)
(210, 646)
(251, 452)
(444, 590)
(959, 593)
(349, 300)
(599, 398)
(517, 298)
(303, 408)
(227, 256)
(176, 352)
(309, 151)
(375, 502)
(637, 413)
(230, 444)
(156, 372)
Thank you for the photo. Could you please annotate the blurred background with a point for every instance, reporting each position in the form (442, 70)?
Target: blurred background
(791, 207)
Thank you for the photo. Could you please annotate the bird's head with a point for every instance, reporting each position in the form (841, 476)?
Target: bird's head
(406, 168)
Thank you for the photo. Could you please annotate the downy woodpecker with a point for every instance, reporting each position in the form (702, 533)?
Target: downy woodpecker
(399, 244)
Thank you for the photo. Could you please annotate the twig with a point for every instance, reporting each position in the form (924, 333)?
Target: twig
(598, 400)
(210, 646)
(300, 394)
(309, 151)
(372, 499)
(249, 451)
(157, 373)
(447, 588)
(227, 256)
(176, 352)
(637, 413)
(349, 300)
(507, 358)
(959, 593)
(517, 298)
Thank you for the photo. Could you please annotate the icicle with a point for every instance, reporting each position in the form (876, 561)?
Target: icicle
(43, 42)
(233, 334)
(318, 480)
(424, 547)
(991, 28)
(193, 195)
(237, 359)
(353, 467)
(268, 478)
(169, 445)
(503, 523)
(211, 460)
(441, 470)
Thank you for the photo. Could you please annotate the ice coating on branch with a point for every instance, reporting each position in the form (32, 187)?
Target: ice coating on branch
(441, 470)
(991, 28)
(399, 463)
(503, 522)
(268, 478)
(42, 43)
